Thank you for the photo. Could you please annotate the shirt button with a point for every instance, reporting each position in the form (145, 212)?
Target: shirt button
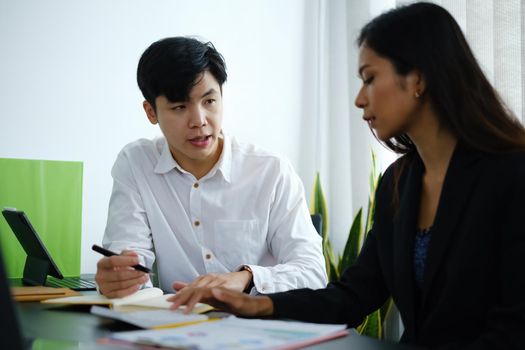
(196, 185)
(197, 223)
(208, 256)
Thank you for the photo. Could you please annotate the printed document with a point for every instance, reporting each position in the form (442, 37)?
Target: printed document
(235, 333)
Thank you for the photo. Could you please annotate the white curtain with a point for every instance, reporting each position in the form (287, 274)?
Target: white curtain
(336, 141)
(495, 31)
(342, 142)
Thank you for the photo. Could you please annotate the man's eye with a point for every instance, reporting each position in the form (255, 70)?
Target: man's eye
(368, 81)
(178, 108)
(210, 101)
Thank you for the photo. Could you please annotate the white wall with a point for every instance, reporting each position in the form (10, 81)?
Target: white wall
(68, 90)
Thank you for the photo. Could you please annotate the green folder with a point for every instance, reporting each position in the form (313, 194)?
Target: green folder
(50, 193)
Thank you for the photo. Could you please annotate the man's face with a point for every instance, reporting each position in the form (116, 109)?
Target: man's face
(192, 127)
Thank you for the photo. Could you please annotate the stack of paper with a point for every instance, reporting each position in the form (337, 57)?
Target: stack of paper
(36, 293)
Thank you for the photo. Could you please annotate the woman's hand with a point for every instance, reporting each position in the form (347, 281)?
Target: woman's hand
(235, 302)
(233, 280)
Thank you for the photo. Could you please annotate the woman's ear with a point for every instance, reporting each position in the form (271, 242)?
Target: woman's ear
(416, 83)
(150, 112)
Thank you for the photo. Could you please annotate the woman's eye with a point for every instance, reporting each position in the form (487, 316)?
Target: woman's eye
(368, 81)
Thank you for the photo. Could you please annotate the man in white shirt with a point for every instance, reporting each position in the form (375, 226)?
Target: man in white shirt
(208, 209)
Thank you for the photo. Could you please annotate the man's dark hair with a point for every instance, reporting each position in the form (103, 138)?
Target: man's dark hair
(171, 67)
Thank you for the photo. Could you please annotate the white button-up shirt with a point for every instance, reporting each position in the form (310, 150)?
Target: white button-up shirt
(248, 210)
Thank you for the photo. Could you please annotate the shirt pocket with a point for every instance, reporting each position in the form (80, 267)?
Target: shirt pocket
(238, 242)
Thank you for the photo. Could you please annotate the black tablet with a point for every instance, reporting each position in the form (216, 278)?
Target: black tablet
(39, 263)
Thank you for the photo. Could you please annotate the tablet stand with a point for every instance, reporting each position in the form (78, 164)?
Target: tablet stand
(35, 271)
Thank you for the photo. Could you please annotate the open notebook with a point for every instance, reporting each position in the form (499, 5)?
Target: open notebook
(144, 296)
(147, 308)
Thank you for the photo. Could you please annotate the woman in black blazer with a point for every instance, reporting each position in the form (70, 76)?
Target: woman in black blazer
(448, 240)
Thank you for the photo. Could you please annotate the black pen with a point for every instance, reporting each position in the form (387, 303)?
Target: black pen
(106, 252)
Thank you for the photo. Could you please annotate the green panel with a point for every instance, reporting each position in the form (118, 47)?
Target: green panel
(50, 193)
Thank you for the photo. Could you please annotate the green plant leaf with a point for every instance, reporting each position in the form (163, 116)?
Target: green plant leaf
(374, 181)
(331, 263)
(383, 313)
(334, 273)
(318, 206)
(353, 243)
(372, 326)
(373, 172)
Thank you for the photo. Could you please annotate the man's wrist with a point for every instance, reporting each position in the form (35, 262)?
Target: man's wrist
(250, 283)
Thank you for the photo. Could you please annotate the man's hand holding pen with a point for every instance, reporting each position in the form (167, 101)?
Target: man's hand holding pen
(118, 276)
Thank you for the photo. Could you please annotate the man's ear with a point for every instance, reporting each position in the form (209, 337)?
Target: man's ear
(150, 112)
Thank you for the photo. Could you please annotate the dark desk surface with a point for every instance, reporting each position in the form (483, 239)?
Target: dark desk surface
(66, 327)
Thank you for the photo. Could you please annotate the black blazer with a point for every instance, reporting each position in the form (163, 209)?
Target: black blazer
(473, 294)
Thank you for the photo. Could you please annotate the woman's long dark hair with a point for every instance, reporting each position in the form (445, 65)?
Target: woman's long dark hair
(425, 37)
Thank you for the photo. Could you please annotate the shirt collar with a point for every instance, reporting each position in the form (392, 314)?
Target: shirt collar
(166, 162)
(224, 164)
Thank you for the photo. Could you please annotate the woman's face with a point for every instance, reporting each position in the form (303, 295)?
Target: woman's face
(389, 101)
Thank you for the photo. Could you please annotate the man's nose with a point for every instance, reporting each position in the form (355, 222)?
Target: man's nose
(198, 117)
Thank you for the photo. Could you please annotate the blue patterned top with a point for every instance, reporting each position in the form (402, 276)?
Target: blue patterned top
(420, 254)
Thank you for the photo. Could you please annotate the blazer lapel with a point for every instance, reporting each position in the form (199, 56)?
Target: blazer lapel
(404, 230)
(458, 184)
